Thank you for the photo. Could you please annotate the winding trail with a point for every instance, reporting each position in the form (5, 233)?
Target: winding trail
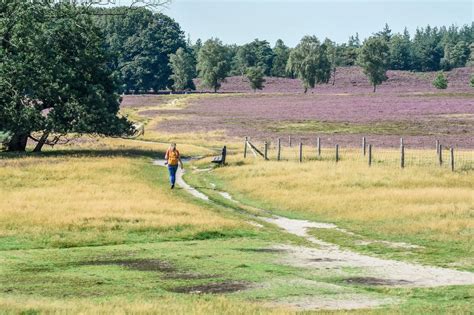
(181, 183)
(330, 257)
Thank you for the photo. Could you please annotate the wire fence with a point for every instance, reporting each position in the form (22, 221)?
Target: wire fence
(403, 157)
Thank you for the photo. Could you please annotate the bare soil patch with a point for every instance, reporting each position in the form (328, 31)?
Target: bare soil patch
(375, 281)
(187, 276)
(169, 271)
(212, 288)
(323, 260)
(156, 265)
(262, 250)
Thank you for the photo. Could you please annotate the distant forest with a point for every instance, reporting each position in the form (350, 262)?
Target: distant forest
(141, 43)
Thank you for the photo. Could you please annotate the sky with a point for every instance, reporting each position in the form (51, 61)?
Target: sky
(241, 21)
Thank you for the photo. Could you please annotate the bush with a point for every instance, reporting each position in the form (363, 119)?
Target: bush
(4, 138)
(472, 81)
(440, 82)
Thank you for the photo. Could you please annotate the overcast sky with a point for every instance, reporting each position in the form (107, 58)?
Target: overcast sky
(241, 21)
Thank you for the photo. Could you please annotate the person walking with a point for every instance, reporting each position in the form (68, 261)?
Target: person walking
(173, 159)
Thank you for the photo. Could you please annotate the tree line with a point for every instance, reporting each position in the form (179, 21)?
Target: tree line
(315, 61)
(149, 52)
(64, 65)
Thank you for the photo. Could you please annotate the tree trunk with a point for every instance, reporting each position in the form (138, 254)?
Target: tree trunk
(41, 142)
(334, 76)
(375, 87)
(305, 90)
(18, 143)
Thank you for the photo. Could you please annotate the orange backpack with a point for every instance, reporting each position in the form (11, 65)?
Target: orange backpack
(173, 157)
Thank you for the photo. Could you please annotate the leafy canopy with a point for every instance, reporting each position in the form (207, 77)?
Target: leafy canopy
(281, 54)
(255, 54)
(183, 67)
(309, 61)
(374, 58)
(140, 42)
(54, 75)
(213, 64)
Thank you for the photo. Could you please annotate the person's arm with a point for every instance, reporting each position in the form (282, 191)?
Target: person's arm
(166, 157)
(181, 163)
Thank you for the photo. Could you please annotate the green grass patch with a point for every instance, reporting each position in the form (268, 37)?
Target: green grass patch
(375, 128)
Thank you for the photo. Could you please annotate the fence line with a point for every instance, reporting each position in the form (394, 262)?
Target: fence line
(442, 156)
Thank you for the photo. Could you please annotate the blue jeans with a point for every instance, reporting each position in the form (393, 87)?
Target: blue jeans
(172, 169)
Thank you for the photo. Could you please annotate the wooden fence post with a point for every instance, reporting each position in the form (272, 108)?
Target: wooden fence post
(279, 149)
(402, 155)
(319, 146)
(337, 153)
(265, 152)
(289, 140)
(440, 155)
(245, 147)
(452, 159)
(364, 145)
(370, 155)
(401, 142)
(437, 147)
(301, 152)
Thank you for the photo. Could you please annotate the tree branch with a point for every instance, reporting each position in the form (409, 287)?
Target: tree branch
(135, 4)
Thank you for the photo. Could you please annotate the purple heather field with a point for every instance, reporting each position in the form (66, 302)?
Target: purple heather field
(405, 106)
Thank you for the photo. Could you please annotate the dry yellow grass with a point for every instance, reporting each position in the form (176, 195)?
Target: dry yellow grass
(155, 147)
(47, 195)
(170, 305)
(206, 305)
(416, 200)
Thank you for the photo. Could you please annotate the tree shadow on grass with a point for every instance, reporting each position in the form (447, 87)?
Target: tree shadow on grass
(81, 153)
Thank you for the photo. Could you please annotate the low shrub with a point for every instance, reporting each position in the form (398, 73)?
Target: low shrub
(440, 82)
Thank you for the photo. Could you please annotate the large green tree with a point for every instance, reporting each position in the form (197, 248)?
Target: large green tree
(459, 54)
(470, 61)
(385, 33)
(427, 49)
(213, 65)
(232, 60)
(400, 51)
(334, 56)
(184, 70)
(255, 54)
(374, 58)
(140, 43)
(54, 76)
(309, 61)
(348, 52)
(281, 54)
